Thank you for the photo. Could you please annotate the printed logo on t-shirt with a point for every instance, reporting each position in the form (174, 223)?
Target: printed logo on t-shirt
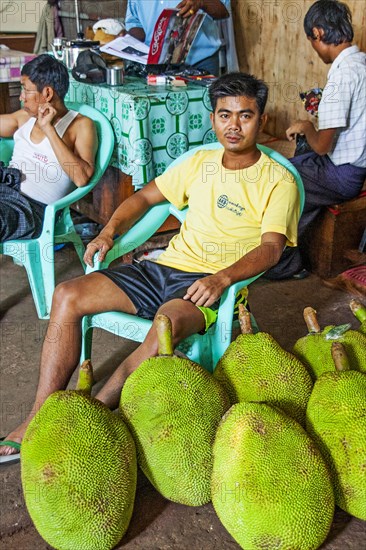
(224, 202)
(40, 157)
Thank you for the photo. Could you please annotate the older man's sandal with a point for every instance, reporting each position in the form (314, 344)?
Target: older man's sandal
(8, 459)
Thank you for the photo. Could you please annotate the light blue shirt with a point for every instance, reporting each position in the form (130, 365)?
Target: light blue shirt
(144, 13)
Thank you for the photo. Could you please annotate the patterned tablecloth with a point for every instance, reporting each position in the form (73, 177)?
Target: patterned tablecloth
(153, 124)
(11, 61)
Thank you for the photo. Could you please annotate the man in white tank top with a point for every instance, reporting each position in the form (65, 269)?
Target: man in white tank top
(54, 149)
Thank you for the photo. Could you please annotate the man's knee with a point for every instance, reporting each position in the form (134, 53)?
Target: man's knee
(67, 296)
(185, 317)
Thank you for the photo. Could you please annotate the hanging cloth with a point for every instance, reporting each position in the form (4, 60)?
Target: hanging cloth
(49, 26)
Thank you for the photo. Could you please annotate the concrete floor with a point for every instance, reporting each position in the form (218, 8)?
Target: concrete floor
(156, 523)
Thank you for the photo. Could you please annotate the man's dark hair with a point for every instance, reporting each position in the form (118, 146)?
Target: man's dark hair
(45, 70)
(334, 18)
(239, 84)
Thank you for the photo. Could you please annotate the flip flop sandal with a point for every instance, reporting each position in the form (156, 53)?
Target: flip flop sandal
(8, 459)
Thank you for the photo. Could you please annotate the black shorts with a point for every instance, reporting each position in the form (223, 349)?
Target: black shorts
(149, 284)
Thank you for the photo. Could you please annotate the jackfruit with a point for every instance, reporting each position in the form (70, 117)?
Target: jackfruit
(256, 368)
(359, 311)
(173, 407)
(270, 485)
(314, 350)
(79, 471)
(336, 419)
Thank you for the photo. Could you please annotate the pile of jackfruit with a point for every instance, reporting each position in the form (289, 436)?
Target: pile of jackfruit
(274, 439)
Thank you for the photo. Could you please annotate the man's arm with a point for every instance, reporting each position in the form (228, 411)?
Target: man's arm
(138, 33)
(123, 218)
(321, 141)
(215, 8)
(10, 123)
(206, 291)
(78, 160)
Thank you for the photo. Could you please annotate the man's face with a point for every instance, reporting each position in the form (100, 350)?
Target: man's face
(320, 47)
(30, 97)
(237, 122)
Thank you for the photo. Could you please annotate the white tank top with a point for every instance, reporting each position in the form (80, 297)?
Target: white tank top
(43, 179)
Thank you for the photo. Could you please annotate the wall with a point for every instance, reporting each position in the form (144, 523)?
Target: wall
(272, 45)
(20, 15)
(90, 11)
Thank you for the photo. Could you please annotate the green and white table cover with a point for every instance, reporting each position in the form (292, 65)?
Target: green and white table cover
(153, 124)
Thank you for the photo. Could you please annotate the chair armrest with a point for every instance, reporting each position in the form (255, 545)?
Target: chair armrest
(179, 214)
(142, 230)
(52, 209)
(227, 302)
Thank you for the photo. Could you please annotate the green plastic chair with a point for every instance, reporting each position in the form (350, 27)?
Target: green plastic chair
(206, 349)
(38, 255)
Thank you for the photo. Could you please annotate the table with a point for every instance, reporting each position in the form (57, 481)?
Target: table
(153, 124)
(11, 62)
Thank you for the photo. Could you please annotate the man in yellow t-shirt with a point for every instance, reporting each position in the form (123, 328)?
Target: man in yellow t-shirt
(229, 210)
(243, 210)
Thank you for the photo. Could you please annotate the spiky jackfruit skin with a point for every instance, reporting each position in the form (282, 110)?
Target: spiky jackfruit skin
(256, 368)
(315, 351)
(173, 407)
(336, 419)
(79, 470)
(270, 485)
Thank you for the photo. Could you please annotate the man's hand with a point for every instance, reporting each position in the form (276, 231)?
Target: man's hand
(46, 114)
(320, 141)
(189, 7)
(101, 243)
(298, 127)
(214, 8)
(207, 290)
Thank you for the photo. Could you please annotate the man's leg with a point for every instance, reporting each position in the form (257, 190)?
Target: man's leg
(325, 184)
(93, 293)
(186, 319)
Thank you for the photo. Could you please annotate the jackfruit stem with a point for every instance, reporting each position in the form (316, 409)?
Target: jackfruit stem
(339, 357)
(311, 320)
(358, 310)
(245, 320)
(85, 380)
(164, 332)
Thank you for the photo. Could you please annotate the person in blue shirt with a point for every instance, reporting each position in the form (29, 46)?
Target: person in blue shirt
(141, 17)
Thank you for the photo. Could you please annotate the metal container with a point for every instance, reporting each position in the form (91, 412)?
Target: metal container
(67, 51)
(115, 76)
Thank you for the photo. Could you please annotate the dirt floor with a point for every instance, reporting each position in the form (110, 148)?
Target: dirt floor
(156, 523)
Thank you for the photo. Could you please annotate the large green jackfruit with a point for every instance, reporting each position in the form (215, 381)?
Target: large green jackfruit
(173, 407)
(314, 350)
(256, 368)
(336, 419)
(270, 485)
(79, 470)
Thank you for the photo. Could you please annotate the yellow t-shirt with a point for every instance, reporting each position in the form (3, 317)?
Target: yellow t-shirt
(228, 211)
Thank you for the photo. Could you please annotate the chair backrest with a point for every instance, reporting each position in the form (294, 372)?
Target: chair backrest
(105, 142)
